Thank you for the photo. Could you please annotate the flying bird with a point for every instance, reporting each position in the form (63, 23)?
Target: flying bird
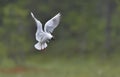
(44, 36)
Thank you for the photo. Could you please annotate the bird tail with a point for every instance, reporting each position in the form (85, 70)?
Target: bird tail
(39, 46)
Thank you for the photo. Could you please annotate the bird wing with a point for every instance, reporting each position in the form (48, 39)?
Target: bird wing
(52, 23)
(39, 32)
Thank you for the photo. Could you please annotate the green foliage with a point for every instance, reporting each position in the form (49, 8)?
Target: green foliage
(82, 27)
(80, 47)
(64, 67)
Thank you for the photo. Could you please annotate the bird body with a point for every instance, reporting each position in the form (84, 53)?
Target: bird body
(43, 36)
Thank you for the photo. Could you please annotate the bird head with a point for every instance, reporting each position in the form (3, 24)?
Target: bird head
(53, 38)
(50, 37)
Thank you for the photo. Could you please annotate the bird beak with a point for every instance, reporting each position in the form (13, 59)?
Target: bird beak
(52, 38)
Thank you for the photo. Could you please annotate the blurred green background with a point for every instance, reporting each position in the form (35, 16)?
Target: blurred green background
(87, 39)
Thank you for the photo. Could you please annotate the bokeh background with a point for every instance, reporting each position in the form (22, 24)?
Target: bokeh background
(87, 39)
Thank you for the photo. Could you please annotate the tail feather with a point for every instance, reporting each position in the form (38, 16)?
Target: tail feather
(39, 46)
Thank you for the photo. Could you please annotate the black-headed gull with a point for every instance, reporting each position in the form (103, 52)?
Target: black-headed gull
(43, 36)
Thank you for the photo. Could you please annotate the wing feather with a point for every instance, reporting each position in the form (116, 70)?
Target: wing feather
(39, 28)
(52, 23)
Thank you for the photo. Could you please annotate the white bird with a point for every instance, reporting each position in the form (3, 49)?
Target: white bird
(43, 36)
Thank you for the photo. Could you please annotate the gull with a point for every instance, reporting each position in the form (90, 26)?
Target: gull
(44, 36)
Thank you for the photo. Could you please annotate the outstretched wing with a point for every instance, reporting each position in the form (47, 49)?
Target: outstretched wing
(52, 23)
(39, 28)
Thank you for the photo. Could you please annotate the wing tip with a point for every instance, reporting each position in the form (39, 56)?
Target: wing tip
(32, 14)
(59, 14)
